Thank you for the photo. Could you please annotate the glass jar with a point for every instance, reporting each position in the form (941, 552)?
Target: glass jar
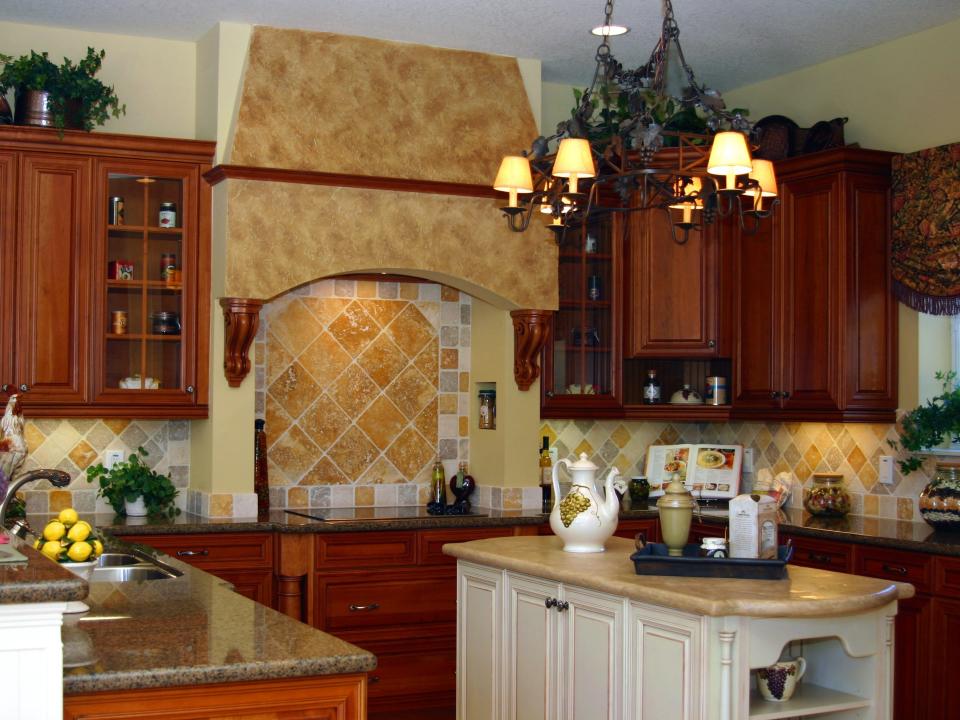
(488, 409)
(639, 489)
(940, 499)
(828, 496)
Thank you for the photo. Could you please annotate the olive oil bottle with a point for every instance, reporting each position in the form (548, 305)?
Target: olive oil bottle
(546, 475)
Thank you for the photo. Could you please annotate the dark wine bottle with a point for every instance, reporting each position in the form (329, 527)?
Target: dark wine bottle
(651, 389)
(261, 484)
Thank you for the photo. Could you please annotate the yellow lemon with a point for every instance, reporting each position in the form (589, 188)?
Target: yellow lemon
(54, 530)
(51, 549)
(97, 548)
(79, 551)
(36, 544)
(80, 531)
(68, 516)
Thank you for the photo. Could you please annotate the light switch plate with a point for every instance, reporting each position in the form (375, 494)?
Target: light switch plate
(112, 457)
(886, 470)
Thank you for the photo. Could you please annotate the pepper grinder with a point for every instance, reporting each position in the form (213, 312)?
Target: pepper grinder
(676, 513)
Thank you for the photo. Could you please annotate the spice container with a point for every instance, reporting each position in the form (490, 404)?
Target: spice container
(828, 496)
(168, 265)
(115, 211)
(168, 215)
(488, 409)
(118, 322)
(166, 323)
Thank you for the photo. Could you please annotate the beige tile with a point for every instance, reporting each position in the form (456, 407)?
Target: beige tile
(278, 358)
(409, 290)
(294, 453)
(324, 359)
(324, 473)
(221, 505)
(353, 453)
(60, 499)
(33, 436)
(464, 382)
(411, 330)
(449, 294)
(427, 422)
(324, 422)
(364, 496)
(856, 458)
(82, 454)
(620, 436)
(294, 390)
(871, 505)
(410, 453)
(325, 309)
(449, 359)
(366, 288)
(583, 447)
(298, 497)
(812, 456)
(382, 472)
(511, 498)
(354, 329)
(383, 311)
(411, 392)
(383, 360)
(353, 391)
(448, 404)
(868, 477)
(464, 426)
(382, 422)
(295, 327)
(428, 362)
(905, 508)
(276, 421)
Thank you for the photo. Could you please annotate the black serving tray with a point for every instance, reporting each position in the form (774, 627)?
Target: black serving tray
(654, 560)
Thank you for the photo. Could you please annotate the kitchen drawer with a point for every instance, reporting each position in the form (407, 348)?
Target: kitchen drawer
(420, 667)
(822, 554)
(360, 601)
(374, 549)
(947, 577)
(914, 568)
(431, 542)
(242, 551)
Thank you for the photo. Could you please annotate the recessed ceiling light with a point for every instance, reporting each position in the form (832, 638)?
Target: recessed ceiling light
(610, 30)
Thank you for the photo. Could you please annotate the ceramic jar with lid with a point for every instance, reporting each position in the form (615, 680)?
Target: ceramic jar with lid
(828, 496)
(940, 499)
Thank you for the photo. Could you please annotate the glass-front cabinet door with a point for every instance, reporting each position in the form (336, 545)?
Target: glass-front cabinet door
(146, 288)
(580, 364)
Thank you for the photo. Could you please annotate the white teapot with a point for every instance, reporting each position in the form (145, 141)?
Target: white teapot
(583, 519)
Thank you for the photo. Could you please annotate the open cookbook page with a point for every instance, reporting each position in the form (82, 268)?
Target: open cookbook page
(709, 471)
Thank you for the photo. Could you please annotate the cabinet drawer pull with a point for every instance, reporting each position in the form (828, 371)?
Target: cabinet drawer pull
(897, 569)
(192, 553)
(373, 679)
(363, 608)
(820, 558)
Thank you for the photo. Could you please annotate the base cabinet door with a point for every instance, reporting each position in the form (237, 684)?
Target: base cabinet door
(663, 650)
(532, 649)
(479, 648)
(592, 647)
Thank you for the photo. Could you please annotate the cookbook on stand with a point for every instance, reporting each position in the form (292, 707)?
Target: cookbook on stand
(710, 471)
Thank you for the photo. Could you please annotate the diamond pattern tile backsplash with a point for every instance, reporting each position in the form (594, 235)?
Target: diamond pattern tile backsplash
(76, 444)
(362, 385)
(853, 449)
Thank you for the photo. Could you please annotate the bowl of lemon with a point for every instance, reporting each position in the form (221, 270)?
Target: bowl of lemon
(72, 542)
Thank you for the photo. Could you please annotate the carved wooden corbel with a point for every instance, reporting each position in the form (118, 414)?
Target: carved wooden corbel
(241, 318)
(530, 331)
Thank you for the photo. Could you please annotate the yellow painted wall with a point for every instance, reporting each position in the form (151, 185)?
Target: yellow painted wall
(155, 78)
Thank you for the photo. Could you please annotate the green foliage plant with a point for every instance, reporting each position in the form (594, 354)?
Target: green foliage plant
(926, 426)
(75, 93)
(128, 480)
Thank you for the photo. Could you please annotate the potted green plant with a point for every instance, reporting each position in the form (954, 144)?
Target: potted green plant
(926, 427)
(134, 489)
(68, 96)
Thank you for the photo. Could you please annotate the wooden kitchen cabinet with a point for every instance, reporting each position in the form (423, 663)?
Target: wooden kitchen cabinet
(332, 697)
(60, 354)
(245, 560)
(814, 317)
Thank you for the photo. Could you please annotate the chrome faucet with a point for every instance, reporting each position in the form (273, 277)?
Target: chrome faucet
(57, 478)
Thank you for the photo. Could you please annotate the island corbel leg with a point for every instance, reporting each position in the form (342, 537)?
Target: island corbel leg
(727, 638)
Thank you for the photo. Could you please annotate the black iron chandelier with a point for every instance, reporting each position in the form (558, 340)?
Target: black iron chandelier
(630, 145)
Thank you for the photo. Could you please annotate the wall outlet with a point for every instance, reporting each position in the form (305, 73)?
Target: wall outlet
(886, 470)
(112, 457)
(748, 460)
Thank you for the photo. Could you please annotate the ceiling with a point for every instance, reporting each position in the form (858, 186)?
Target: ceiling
(729, 43)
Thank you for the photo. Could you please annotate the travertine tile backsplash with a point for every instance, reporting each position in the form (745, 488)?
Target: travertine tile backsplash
(76, 444)
(802, 448)
(362, 385)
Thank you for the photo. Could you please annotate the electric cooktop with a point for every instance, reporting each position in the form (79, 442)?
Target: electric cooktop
(372, 514)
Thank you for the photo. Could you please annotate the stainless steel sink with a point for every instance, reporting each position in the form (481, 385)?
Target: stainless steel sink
(131, 573)
(130, 567)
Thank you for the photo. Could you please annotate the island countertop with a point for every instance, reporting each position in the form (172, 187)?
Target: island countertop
(191, 630)
(37, 580)
(804, 593)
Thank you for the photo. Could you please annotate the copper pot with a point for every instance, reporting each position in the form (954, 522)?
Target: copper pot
(33, 108)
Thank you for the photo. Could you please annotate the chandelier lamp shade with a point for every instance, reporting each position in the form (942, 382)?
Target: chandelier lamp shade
(634, 143)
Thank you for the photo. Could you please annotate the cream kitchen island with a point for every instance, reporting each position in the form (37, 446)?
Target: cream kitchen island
(546, 634)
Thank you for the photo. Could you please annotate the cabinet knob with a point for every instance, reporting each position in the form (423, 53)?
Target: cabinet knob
(549, 393)
(373, 679)
(785, 395)
(774, 395)
(711, 343)
(5, 387)
(24, 387)
(563, 605)
(550, 602)
(190, 389)
(821, 558)
(192, 553)
(363, 608)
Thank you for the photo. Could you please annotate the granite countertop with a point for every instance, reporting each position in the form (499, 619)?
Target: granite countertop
(805, 593)
(38, 579)
(191, 630)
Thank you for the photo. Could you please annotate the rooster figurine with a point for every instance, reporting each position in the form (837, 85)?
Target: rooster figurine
(12, 426)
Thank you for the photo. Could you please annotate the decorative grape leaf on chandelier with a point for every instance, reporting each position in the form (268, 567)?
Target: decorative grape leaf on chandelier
(628, 147)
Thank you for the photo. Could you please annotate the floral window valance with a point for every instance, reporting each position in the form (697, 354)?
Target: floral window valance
(926, 229)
